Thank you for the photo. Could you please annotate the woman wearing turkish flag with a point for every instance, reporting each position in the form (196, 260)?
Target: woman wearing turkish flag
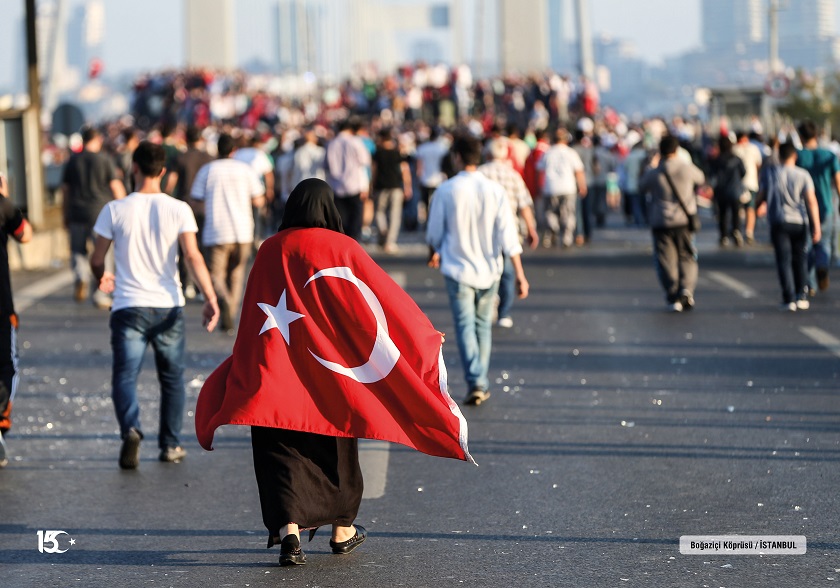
(329, 350)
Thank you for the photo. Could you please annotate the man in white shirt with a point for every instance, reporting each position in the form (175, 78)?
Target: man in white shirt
(564, 181)
(348, 161)
(752, 158)
(252, 153)
(470, 228)
(225, 191)
(146, 228)
(430, 156)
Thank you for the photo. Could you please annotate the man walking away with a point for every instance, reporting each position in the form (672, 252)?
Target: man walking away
(392, 185)
(470, 229)
(347, 163)
(564, 181)
(90, 181)
(225, 191)
(824, 168)
(673, 242)
(146, 228)
(12, 224)
(788, 197)
(502, 172)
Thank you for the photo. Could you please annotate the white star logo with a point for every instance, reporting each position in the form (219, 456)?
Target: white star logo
(72, 541)
(279, 317)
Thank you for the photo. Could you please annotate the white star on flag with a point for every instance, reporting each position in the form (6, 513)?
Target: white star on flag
(279, 317)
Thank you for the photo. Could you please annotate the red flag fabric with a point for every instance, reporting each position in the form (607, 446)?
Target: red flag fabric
(328, 343)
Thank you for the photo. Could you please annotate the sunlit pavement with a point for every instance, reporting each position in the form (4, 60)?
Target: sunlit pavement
(614, 428)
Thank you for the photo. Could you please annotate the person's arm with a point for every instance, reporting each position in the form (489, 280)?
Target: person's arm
(580, 176)
(269, 186)
(117, 188)
(813, 214)
(527, 214)
(406, 178)
(837, 181)
(522, 286)
(201, 276)
(171, 182)
(97, 264)
(20, 229)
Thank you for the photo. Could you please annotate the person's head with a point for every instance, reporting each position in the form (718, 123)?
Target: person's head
(193, 135)
(149, 159)
(311, 205)
(539, 134)
(497, 150)
(513, 131)
(725, 144)
(385, 136)
(91, 139)
(226, 145)
(166, 130)
(130, 138)
(787, 152)
(741, 137)
(668, 145)
(562, 136)
(807, 131)
(468, 150)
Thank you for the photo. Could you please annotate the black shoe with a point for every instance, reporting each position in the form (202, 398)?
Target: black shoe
(290, 552)
(348, 546)
(130, 452)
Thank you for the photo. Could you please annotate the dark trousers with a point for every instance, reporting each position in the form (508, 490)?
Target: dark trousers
(350, 210)
(790, 242)
(729, 219)
(675, 258)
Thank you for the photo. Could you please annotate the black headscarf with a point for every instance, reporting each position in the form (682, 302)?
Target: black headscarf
(311, 205)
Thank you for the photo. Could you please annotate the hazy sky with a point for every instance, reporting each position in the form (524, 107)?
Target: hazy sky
(151, 38)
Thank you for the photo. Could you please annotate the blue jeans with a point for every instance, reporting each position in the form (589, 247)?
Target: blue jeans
(507, 289)
(132, 330)
(472, 310)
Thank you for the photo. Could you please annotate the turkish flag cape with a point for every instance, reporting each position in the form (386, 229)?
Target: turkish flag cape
(328, 343)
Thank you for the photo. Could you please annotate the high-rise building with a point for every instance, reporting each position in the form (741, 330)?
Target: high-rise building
(732, 24)
(806, 20)
(209, 33)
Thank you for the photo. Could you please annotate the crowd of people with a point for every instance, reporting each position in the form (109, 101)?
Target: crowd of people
(209, 165)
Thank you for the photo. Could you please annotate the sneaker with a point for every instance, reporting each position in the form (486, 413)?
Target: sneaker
(811, 292)
(788, 307)
(173, 454)
(724, 241)
(739, 240)
(822, 278)
(505, 322)
(803, 304)
(4, 461)
(130, 452)
(476, 397)
(190, 292)
(687, 300)
(676, 306)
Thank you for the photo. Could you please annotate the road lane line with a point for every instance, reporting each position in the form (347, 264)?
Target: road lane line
(32, 293)
(828, 341)
(729, 282)
(373, 458)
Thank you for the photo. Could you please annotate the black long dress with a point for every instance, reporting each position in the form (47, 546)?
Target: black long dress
(305, 478)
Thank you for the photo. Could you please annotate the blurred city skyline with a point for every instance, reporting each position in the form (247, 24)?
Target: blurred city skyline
(152, 39)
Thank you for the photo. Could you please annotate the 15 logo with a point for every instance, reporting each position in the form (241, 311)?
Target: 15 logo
(48, 542)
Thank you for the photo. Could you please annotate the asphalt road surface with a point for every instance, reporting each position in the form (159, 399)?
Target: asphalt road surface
(614, 428)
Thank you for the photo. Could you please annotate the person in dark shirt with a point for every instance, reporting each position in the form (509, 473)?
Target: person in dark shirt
(12, 224)
(90, 181)
(392, 186)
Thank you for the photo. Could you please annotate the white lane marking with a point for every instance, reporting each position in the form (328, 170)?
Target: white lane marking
(733, 284)
(28, 296)
(373, 458)
(828, 341)
(373, 455)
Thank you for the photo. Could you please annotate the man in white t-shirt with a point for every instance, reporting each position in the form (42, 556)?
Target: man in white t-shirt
(752, 158)
(146, 228)
(226, 190)
(252, 153)
(564, 181)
